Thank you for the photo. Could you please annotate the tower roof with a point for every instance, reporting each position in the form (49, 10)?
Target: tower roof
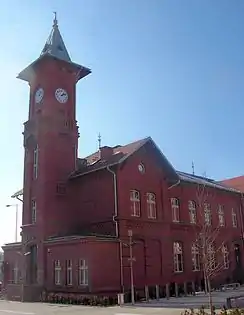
(54, 48)
(54, 45)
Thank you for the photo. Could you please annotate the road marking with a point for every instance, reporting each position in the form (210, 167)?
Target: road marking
(17, 312)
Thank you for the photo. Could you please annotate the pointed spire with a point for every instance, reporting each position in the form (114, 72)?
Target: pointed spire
(55, 45)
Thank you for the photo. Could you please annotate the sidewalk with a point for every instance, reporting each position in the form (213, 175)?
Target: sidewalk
(197, 301)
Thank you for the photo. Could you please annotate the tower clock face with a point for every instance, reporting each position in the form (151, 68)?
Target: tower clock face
(61, 95)
(39, 95)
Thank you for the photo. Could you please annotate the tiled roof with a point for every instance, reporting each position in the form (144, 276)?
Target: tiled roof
(204, 181)
(118, 154)
(235, 182)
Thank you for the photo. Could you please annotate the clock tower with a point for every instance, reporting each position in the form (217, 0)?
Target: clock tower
(50, 143)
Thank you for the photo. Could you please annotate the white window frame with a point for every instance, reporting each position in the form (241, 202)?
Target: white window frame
(226, 261)
(151, 206)
(83, 273)
(207, 214)
(195, 254)
(33, 211)
(221, 215)
(178, 257)
(57, 272)
(211, 257)
(175, 207)
(16, 274)
(35, 162)
(234, 218)
(69, 272)
(192, 207)
(135, 202)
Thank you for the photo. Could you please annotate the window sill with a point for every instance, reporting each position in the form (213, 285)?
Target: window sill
(196, 270)
(178, 272)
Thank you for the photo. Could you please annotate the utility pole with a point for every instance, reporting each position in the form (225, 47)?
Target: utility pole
(131, 260)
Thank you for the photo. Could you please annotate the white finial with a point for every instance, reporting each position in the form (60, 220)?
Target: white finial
(55, 21)
(99, 141)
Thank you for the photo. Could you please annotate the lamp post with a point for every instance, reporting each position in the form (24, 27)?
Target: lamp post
(16, 219)
(131, 259)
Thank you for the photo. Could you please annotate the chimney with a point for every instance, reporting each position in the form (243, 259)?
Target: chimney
(106, 152)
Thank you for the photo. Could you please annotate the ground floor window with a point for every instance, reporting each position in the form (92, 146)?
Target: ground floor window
(57, 272)
(83, 272)
(69, 275)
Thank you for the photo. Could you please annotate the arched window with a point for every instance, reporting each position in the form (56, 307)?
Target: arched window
(178, 256)
(221, 215)
(207, 214)
(195, 254)
(151, 206)
(225, 253)
(175, 206)
(192, 211)
(135, 203)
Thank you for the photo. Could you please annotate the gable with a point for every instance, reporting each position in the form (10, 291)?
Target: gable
(119, 154)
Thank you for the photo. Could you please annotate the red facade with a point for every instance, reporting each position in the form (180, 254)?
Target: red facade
(77, 212)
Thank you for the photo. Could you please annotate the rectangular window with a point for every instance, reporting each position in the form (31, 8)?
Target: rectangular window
(211, 257)
(83, 272)
(175, 207)
(69, 276)
(221, 215)
(135, 203)
(178, 257)
(225, 252)
(195, 252)
(33, 211)
(16, 274)
(35, 163)
(151, 206)
(57, 272)
(234, 218)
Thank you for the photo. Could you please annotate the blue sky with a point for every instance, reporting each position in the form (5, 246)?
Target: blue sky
(169, 69)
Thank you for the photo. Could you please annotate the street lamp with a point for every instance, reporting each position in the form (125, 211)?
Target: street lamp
(16, 220)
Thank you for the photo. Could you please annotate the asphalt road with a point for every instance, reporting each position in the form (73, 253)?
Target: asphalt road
(18, 308)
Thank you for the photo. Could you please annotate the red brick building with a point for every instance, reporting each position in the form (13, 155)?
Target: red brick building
(79, 215)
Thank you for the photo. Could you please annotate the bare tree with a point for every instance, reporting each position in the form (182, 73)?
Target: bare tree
(213, 253)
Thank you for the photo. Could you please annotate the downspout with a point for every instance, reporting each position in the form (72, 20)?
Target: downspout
(241, 217)
(115, 216)
(174, 185)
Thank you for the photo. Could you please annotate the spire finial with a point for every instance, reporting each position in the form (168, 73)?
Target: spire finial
(193, 168)
(99, 141)
(55, 21)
